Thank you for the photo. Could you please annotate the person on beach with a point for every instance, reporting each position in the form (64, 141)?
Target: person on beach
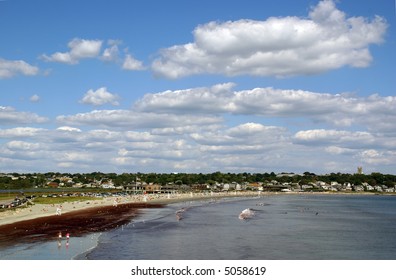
(59, 211)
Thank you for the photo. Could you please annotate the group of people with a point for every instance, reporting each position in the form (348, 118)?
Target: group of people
(60, 239)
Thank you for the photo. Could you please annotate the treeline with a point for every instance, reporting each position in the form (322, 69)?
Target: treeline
(26, 181)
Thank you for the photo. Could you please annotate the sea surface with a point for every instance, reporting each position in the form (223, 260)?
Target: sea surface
(284, 227)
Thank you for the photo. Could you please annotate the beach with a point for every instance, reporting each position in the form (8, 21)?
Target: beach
(42, 222)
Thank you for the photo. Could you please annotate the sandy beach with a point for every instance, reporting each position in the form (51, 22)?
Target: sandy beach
(43, 221)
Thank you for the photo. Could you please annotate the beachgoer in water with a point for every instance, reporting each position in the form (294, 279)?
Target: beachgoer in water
(59, 239)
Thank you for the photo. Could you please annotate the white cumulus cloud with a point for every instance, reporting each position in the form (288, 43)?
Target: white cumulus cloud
(100, 97)
(376, 113)
(22, 145)
(353, 139)
(111, 53)
(68, 129)
(131, 63)
(283, 46)
(213, 99)
(21, 132)
(79, 49)
(10, 116)
(11, 68)
(117, 119)
(34, 98)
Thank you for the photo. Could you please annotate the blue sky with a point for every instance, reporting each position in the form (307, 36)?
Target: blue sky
(173, 86)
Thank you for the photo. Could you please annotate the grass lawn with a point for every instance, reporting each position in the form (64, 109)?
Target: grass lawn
(60, 200)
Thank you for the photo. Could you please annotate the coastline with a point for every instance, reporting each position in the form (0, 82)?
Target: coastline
(74, 223)
(48, 210)
(40, 222)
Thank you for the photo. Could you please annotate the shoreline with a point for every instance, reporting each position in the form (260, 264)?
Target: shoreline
(48, 210)
(39, 222)
(75, 223)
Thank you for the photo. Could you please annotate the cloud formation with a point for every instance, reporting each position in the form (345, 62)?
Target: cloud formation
(11, 68)
(34, 98)
(283, 46)
(111, 53)
(337, 110)
(10, 116)
(187, 130)
(128, 119)
(348, 139)
(84, 49)
(79, 49)
(190, 130)
(130, 63)
(20, 132)
(100, 97)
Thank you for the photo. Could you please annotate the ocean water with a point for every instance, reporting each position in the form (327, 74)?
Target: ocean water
(284, 227)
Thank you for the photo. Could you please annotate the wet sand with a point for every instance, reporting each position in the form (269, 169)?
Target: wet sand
(76, 223)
